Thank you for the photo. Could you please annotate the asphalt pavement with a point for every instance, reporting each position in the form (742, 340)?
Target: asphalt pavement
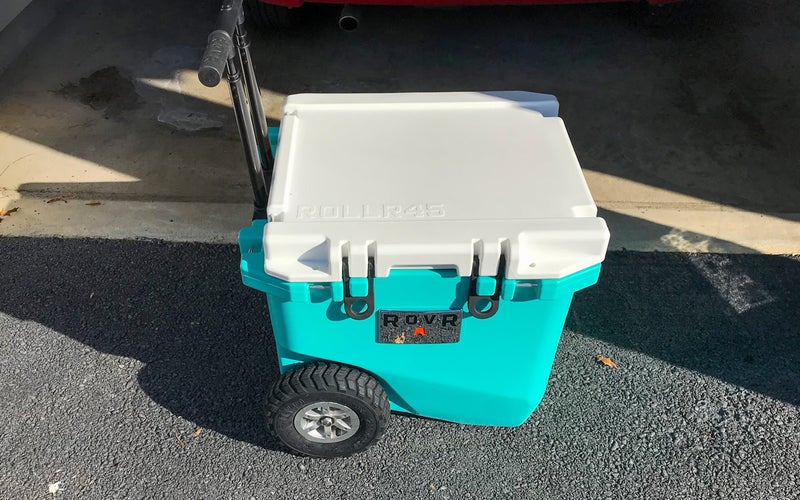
(137, 369)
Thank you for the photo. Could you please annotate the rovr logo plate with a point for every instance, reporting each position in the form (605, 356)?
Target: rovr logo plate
(419, 327)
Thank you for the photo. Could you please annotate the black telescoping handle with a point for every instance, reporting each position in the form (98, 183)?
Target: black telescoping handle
(220, 43)
(228, 55)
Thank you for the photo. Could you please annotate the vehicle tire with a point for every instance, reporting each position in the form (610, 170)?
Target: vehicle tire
(266, 16)
(327, 410)
(668, 14)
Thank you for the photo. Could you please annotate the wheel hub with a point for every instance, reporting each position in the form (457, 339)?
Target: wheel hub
(326, 422)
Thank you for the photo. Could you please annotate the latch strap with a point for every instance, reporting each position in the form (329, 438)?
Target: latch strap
(493, 300)
(350, 301)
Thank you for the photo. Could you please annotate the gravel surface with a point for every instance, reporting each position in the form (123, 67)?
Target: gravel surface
(137, 369)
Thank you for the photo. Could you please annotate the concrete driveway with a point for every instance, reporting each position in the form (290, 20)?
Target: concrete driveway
(687, 135)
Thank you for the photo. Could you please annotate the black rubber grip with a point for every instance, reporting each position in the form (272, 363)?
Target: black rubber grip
(212, 66)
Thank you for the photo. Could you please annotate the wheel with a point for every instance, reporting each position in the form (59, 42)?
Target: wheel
(667, 14)
(265, 16)
(327, 410)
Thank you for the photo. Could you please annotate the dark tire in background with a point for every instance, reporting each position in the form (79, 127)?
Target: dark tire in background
(668, 14)
(266, 17)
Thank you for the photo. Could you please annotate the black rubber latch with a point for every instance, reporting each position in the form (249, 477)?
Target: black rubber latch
(493, 300)
(349, 300)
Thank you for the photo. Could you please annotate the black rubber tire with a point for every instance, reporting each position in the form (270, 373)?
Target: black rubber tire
(335, 383)
(267, 17)
(669, 14)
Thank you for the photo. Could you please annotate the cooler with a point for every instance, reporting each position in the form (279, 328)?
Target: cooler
(432, 240)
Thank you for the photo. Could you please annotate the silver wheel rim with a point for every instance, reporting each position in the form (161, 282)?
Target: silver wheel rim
(326, 422)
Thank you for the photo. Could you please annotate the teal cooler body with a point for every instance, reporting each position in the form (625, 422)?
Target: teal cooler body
(495, 375)
(419, 202)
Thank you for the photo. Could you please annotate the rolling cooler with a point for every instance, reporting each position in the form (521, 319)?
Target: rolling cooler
(419, 251)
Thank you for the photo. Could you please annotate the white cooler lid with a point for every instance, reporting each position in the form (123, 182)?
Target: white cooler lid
(427, 180)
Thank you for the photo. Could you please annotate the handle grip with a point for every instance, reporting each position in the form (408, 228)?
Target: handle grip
(220, 43)
(212, 66)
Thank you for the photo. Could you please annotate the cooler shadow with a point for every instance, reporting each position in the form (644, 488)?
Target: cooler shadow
(733, 317)
(204, 338)
(208, 355)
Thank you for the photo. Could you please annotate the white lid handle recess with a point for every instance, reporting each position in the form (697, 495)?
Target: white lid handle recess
(533, 249)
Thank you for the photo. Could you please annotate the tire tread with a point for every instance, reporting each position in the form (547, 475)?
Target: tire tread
(321, 377)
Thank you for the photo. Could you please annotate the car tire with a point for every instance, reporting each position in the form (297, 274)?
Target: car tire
(667, 14)
(266, 16)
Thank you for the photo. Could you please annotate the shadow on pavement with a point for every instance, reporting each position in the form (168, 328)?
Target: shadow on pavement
(208, 354)
(732, 317)
(181, 310)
